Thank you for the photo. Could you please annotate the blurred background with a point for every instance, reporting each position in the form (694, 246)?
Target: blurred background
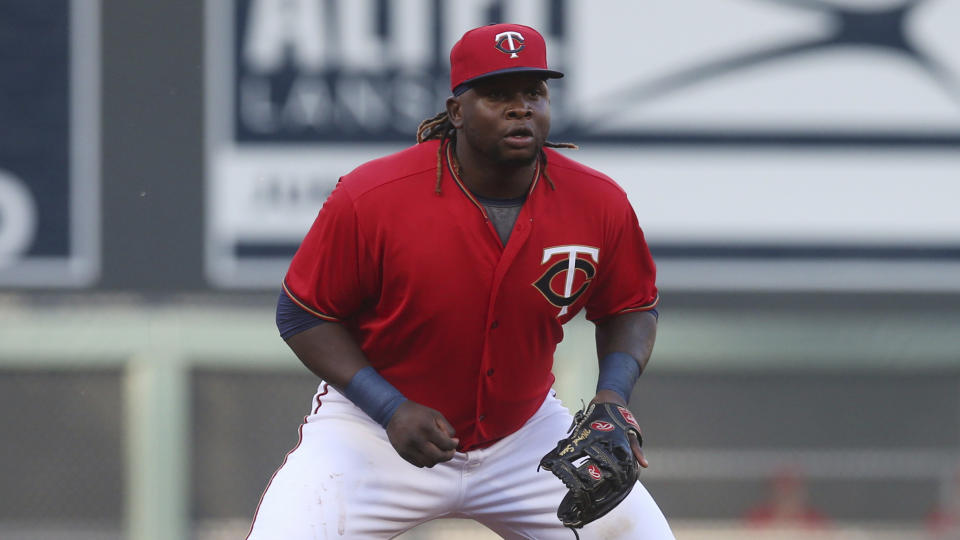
(795, 165)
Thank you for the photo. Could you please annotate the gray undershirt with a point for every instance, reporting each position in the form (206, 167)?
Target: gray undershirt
(502, 213)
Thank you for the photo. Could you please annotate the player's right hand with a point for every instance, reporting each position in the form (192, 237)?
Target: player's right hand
(421, 435)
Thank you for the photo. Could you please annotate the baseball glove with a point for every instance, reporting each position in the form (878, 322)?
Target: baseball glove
(595, 462)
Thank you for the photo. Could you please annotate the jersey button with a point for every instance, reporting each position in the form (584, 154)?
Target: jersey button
(489, 372)
(482, 417)
(494, 324)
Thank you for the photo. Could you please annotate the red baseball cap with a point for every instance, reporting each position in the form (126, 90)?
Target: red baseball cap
(497, 49)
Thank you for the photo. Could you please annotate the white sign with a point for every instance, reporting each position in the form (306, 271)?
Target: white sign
(764, 145)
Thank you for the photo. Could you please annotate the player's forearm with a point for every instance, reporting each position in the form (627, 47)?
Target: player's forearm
(631, 333)
(624, 345)
(330, 352)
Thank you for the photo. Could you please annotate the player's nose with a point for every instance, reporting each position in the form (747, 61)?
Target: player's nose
(519, 108)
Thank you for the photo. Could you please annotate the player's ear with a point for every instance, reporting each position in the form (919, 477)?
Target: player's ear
(455, 112)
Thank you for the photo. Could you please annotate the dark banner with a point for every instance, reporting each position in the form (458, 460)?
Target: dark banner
(47, 145)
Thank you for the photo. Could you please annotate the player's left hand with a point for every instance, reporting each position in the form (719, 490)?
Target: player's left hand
(609, 396)
(598, 461)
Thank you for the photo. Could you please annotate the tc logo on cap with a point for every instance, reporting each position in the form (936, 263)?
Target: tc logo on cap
(514, 43)
(472, 57)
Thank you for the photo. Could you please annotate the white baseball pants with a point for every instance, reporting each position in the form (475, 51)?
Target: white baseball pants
(344, 480)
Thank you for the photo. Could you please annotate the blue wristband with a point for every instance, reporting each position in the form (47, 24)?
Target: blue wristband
(374, 395)
(618, 372)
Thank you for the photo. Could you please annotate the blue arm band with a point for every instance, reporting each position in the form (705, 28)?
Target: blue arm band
(618, 372)
(293, 319)
(374, 395)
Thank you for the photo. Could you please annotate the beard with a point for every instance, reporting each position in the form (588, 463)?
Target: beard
(518, 161)
(498, 154)
(511, 157)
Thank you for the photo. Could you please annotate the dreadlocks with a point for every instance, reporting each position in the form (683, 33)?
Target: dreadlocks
(440, 127)
(437, 127)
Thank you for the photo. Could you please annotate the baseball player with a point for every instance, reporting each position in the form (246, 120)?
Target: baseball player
(429, 296)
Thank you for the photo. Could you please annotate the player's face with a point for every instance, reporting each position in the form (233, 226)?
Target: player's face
(505, 118)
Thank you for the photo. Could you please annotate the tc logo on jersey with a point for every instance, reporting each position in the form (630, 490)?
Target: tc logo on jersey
(513, 40)
(578, 260)
(602, 426)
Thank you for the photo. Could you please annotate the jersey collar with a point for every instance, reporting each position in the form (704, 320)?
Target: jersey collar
(454, 169)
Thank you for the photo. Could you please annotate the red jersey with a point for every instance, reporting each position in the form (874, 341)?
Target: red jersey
(442, 309)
